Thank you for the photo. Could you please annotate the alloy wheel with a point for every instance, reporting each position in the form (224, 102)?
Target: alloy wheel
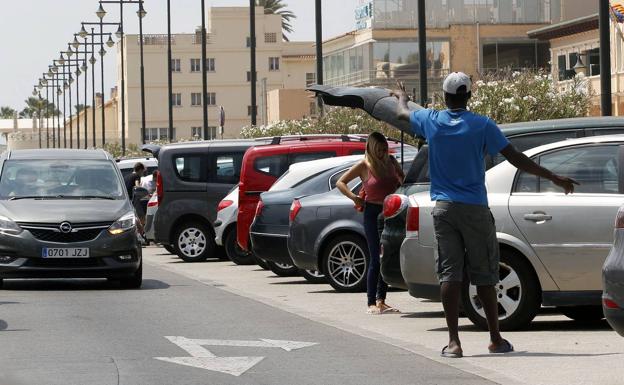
(508, 292)
(192, 242)
(346, 264)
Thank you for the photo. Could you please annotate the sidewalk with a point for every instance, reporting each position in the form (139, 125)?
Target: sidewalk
(555, 350)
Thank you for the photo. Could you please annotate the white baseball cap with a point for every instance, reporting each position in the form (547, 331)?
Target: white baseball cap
(454, 80)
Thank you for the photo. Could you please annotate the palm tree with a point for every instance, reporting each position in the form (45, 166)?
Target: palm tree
(34, 104)
(277, 7)
(7, 112)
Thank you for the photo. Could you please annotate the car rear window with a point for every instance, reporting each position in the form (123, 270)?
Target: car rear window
(189, 167)
(308, 156)
(419, 170)
(226, 168)
(274, 165)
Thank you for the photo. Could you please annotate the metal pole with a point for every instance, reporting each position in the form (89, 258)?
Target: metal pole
(252, 47)
(319, 51)
(39, 120)
(47, 116)
(77, 104)
(86, 129)
(142, 75)
(102, 80)
(71, 123)
(58, 116)
(422, 51)
(64, 113)
(169, 74)
(204, 99)
(605, 58)
(123, 84)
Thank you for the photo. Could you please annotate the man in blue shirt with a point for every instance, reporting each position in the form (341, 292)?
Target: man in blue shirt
(464, 226)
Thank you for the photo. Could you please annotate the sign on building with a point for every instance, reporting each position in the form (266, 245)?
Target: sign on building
(364, 16)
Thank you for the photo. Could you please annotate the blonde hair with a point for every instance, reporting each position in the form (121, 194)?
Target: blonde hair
(378, 166)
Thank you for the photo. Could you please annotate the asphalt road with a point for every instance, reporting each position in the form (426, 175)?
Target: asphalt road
(92, 332)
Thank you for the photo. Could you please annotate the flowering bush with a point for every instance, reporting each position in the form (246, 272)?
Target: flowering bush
(510, 97)
(338, 120)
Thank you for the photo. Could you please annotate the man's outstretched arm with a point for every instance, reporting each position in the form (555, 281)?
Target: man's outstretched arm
(403, 112)
(524, 163)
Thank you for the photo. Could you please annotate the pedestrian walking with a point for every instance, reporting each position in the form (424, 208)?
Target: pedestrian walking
(134, 179)
(464, 226)
(381, 174)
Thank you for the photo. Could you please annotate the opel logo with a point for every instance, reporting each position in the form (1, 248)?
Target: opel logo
(65, 227)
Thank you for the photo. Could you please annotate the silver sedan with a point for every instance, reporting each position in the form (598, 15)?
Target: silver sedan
(552, 245)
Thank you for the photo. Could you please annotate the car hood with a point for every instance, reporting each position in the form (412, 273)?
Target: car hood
(56, 211)
(377, 102)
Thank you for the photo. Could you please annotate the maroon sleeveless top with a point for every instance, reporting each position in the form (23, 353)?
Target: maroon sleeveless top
(377, 188)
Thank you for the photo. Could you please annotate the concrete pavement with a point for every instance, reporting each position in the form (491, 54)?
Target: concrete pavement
(554, 350)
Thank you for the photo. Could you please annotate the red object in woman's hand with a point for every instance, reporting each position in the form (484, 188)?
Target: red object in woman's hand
(362, 195)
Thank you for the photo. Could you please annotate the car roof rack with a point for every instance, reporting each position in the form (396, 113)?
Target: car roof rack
(343, 137)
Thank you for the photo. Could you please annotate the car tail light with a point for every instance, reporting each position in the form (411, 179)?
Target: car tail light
(412, 223)
(153, 201)
(610, 304)
(619, 219)
(160, 190)
(223, 204)
(294, 209)
(393, 205)
(259, 208)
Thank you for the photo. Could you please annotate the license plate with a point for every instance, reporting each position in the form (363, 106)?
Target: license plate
(65, 252)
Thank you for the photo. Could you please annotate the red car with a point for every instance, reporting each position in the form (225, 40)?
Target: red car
(262, 165)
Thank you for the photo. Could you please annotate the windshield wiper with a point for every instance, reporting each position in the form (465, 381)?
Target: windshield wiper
(94, 197)
(30, 197)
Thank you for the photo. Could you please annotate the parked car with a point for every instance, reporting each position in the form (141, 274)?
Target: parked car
(126, 165)
(66, 213)
(225, 229)
(326, 234)
(193, 177)
(613, 278)
(264, 164)
(269, 229)
(548, 256)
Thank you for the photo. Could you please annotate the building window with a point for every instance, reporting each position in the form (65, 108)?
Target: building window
(195, 65)
(211, 98)
(310, 78)
(212, 132)
(158, 133)
(175, 65)
(196, 133)
(196, 99)
(270, 37)
(176, 100)
(274, 64)
(249, 75)
(515, 55)
(210, 64)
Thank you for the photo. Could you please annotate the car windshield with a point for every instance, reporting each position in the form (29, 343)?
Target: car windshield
(60, 179)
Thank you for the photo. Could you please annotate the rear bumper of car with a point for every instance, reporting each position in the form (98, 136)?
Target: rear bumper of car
(418, 269)
(270, 247)
(390, 261)
(615, 317)
(110, 256)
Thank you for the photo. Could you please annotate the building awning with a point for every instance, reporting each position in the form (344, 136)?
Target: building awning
(566, 28)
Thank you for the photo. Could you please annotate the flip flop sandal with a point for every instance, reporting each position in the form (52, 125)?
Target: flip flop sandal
(447, 354)
(505, 347)
(390, 309)
(373, 311)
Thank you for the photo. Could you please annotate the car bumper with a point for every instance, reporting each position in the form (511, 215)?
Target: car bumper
(418, 268)
(271, 247)
(615, 317)
(149, 227)
(390, 262)
(302, 258)
(105, 259)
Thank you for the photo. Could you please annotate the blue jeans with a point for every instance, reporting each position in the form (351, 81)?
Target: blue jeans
(376, 288)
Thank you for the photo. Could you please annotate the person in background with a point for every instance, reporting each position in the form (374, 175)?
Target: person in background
(134, 179)
(464, 226)
(150, 183)
(381, 174)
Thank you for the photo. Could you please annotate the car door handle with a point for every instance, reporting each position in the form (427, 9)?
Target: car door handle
(538, 217)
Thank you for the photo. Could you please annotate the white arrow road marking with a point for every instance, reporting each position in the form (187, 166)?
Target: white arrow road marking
(204, 359)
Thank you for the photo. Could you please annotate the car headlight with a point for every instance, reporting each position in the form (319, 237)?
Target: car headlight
(7, 226)
(123, 224)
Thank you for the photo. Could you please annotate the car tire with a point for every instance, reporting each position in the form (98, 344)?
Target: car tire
(518, 287)
(313, 276)
(261, 262)
(170, 249)
(1, 283)
(194, 242)
(283, 269)
(135, 280)
(583, 313)
(355, 263)
(234, 252)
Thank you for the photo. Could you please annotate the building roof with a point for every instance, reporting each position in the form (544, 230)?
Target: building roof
(565, 28)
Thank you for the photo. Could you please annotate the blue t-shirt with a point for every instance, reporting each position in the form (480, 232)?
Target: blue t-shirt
(458, 142)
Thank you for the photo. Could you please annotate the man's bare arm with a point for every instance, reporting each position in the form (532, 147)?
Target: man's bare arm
(524, 163)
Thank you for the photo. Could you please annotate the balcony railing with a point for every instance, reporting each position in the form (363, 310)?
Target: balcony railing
(156, 39)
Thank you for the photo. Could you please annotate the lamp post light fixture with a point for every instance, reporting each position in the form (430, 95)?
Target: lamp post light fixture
(580, 67)
(101, 13)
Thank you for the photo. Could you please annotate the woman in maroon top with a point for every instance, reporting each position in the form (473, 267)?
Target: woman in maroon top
(381, 175)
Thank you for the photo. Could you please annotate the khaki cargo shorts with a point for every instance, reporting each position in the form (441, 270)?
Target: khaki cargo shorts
(466, 242)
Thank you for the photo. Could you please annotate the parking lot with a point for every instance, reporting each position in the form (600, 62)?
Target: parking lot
(554, 350)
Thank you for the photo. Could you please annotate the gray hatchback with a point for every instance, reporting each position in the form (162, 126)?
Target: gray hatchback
(66, 213)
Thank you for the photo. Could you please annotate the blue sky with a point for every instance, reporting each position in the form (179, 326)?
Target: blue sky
(34, 31)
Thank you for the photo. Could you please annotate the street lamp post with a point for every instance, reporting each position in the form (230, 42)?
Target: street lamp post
(37, 93)
(110, 43)
(204, 99)
(319, 50)
(169, 74)
(69, 63)
(252, 48)
(43, 83)
(120, 34)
